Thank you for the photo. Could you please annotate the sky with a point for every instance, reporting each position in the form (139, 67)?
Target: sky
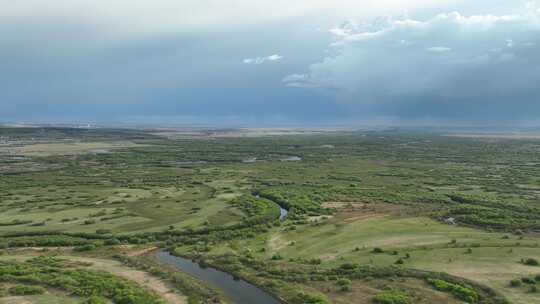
(271, 62)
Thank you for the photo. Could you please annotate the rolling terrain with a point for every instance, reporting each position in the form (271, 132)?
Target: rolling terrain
(373, 216)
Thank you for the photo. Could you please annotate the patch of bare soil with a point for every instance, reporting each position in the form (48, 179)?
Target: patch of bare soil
(16, 300)
(140, 252)
(354, 211)
(319, 218)
(276, 242)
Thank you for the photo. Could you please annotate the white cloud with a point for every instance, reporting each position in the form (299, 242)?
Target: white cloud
(261, 60)
(486, 57)
(298, 80)
(439, 49)
(274, 57)
(143, 16)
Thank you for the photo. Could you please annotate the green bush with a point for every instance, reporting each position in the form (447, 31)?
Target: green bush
(63, 275)
(304, 298)
(110, 242)
(392, 297)
(87, 247)
(460, 292)
(23, 290)
(515, 283)
(95, 300)
(531, 262)
(276, 257)
(344, 284)
(377, 250)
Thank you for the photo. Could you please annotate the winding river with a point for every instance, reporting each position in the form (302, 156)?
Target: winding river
(282, 213)
(238, 291)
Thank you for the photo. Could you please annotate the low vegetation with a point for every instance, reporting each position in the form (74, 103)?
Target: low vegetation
(461, 215)
(49, 272)
(466, 294)
(392, 297)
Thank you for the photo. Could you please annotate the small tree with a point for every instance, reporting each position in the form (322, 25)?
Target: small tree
(531, 262)
(377, 250)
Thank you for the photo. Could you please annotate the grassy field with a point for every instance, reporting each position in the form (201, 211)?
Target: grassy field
(411, 206)
(420, 242)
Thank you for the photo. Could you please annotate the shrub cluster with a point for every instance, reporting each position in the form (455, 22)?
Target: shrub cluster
(64, 275)
(461, 292)
(392, 297)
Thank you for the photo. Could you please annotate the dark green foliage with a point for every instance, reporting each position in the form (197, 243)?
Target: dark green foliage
(276, 257)
(392, 297)
(344, 284)
(515, 283)
(460, 292)
(531, 262)
(15, 222)
(257, 210)
(43, 240)
(95, 300)
(63, 275)
(103, 231)
(303, 298)
(110, 242)
(25, 290)
(87, 247)
(377, 250)
(298, 200)
(494, 214)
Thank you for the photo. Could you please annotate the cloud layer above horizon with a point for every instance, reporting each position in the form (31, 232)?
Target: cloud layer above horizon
(450, 65)
(273, 62)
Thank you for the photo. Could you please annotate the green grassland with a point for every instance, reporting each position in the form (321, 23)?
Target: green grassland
(420, 242)
(412, 206)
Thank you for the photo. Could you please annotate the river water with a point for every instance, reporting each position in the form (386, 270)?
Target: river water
(238, 291)
(282, 213)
